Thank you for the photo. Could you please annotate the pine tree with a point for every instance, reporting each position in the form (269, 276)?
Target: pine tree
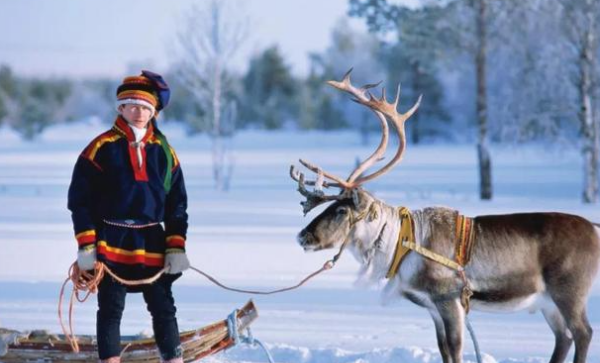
(269, 91)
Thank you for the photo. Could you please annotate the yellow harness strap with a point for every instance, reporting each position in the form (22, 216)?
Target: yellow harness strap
(406, 243)
(406, 234)
(432, 255)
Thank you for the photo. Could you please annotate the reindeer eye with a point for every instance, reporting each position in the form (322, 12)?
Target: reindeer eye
(342, 211)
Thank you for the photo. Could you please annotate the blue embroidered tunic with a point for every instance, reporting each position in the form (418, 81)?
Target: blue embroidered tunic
(122, 193)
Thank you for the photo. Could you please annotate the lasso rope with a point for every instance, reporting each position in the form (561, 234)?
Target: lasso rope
(87, 283)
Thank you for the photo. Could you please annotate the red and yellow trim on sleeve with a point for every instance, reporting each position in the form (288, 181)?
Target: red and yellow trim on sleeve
(134, 257)
(86, 237)
(175, 241)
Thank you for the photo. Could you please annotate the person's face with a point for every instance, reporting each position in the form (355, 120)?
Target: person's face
(136, 115)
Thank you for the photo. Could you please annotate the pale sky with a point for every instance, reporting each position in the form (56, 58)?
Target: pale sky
(82, 38)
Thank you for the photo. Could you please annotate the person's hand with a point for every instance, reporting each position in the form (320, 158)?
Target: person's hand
(176, 261)
(86, 258)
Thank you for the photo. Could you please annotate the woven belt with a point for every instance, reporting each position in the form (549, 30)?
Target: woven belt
(130, 223)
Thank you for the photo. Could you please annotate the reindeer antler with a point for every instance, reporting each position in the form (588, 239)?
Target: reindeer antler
(317, 196)
(384, 111)
(359, 94)
(398, 119)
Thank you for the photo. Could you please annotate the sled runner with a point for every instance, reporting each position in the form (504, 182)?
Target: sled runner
(197, 343)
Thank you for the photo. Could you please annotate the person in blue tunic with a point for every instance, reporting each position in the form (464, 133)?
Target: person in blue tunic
(128, 203)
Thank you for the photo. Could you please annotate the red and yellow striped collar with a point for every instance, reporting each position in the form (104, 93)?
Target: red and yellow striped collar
(122, 127)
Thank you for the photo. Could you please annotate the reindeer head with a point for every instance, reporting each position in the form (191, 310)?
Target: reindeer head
(353, 215)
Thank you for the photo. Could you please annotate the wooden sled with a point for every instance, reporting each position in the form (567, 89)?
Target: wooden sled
(198, 343)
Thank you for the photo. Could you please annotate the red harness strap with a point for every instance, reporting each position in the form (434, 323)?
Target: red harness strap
(465, 236)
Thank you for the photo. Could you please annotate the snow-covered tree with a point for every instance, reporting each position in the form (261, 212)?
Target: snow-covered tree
(210, 38)
(527, 85)
(581, 29)
(463, 30)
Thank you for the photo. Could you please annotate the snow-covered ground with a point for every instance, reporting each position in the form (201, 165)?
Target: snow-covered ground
(246, 238)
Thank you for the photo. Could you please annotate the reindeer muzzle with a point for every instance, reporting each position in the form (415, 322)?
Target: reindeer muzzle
(308, 241)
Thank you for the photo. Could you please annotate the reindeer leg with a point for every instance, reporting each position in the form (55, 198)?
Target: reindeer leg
(440, 332)
(562, 335)
(577, 322)
(453, 316)
(569, 293)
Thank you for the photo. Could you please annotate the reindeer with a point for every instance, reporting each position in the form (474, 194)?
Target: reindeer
(528, 261)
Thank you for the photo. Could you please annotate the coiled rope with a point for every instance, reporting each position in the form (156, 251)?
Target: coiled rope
(87, 282)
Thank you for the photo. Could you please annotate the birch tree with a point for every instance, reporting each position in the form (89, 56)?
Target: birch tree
(558, 83)
(470, 36)
(483, 154)
(473, 38)
(210, 38)
(580, 24)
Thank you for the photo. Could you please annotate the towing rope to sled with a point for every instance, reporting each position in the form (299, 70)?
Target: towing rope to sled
(87, 282)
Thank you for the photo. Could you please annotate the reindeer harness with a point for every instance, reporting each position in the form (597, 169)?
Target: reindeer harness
(463, 246)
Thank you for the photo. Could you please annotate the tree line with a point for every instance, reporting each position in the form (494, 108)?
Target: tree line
(490, 71)
(518, 70)
(268, 96)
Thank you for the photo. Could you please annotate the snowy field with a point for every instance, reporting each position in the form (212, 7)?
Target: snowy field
(246, 238)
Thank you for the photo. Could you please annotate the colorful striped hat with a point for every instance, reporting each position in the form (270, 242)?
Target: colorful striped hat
(137, 90)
